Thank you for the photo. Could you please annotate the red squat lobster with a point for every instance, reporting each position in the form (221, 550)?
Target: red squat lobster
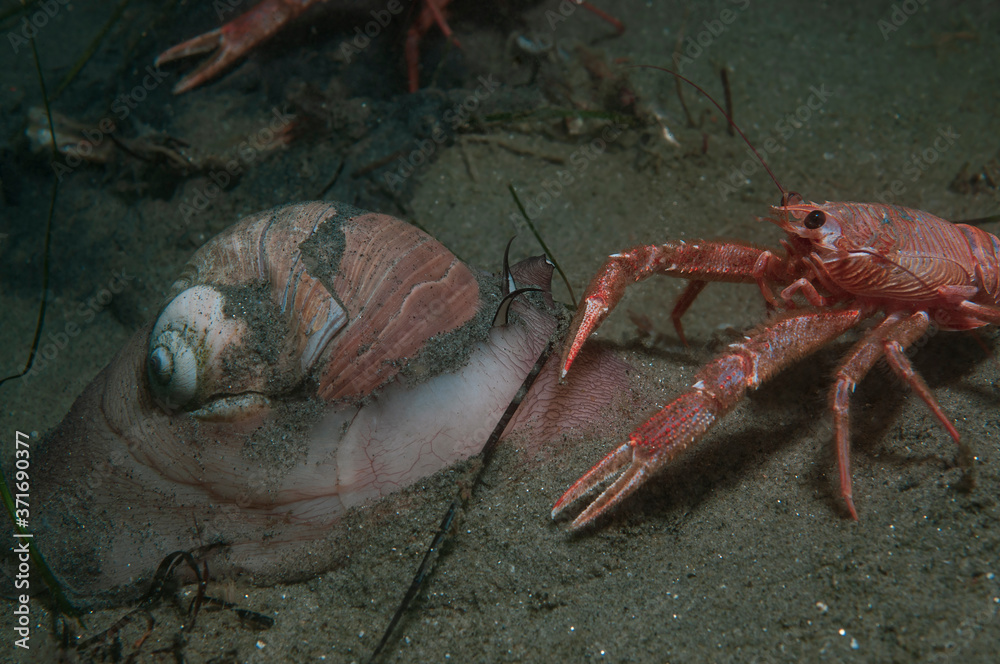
(238, 37)
(851, 262)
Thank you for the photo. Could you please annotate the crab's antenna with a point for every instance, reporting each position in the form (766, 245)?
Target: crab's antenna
(724, 114)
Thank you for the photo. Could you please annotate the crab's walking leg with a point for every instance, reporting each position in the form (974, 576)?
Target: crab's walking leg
(717, 388)
(233, 40)
(431, 13)
(618, 25)
(889, 339)
(698, 261)
(683, 303)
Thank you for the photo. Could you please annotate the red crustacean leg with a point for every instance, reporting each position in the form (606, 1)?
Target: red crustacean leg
(890, 338)
(980, 312)
(683, 303)
(618, 25)
(431, 13)
(698, 261)
(853, 368)
(233, 40)
(808, 290)
(717, 388)
(901, 365)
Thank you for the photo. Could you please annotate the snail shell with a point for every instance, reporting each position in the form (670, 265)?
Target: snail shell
(281, 285)
(309, 358)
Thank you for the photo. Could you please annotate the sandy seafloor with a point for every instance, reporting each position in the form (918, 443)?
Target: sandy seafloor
(739, 552)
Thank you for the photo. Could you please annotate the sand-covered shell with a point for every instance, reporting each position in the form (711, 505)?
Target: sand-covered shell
(257, 308)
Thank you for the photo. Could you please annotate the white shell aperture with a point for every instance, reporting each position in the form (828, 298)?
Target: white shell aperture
(187, 346)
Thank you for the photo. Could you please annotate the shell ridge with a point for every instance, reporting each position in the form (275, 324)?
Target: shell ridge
(434, 265)
(390, 339)
(262, 249)
(378, 255)
(291, 283)
(328, 212)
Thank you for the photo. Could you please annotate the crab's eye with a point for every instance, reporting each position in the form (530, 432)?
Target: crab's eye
(815, 219)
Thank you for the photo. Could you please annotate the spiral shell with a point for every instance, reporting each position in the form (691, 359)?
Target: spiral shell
(257, 308)
(187, 346)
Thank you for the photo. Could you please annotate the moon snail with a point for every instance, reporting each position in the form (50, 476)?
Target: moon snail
(310, 358)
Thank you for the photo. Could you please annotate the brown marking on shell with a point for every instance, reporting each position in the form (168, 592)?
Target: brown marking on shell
(267, 246)
(406, 287)
(393, 287)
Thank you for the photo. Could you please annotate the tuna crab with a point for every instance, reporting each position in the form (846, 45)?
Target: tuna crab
(851, 262)
(241, 35)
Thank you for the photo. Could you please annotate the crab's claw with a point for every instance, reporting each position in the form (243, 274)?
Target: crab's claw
(592, 311)
(233, 40)
(648, 448)
(604, 292)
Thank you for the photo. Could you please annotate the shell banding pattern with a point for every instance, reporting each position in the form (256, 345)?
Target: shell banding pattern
(256, 309)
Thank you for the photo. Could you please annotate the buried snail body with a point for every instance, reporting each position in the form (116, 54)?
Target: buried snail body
(310, 358)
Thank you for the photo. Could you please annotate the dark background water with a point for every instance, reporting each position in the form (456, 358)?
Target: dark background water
(741, 551)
